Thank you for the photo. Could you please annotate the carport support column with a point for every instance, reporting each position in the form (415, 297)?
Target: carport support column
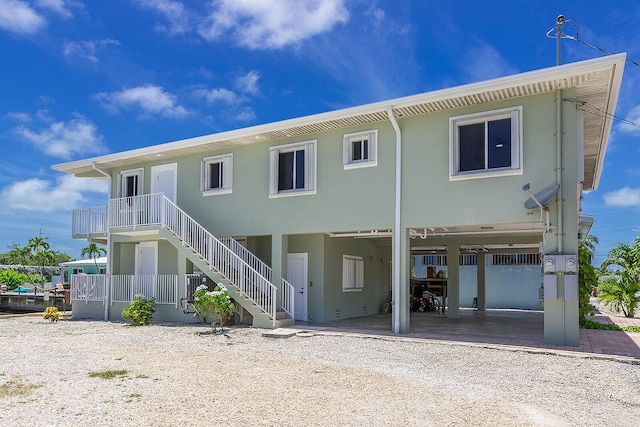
(401, 309)
(453, 281)
(481, 281)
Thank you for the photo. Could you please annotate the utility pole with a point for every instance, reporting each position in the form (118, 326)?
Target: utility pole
(559, 23)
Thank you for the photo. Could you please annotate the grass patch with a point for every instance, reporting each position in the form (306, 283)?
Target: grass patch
(14, 388)
(590, 324)
(142, 376)
(631, 328)
(109, 375)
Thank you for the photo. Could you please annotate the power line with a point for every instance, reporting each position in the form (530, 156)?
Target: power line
(585, 106)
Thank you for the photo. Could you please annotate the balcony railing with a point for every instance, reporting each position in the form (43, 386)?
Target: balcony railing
(89, 222)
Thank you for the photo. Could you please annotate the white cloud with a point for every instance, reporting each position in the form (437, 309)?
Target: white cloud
(218, 94)
(65, 139)
(56, 6)
(18, 17)
(40, 195)
(634, 117)
(87, 49)
(248, 83)
(272, 24)
(483, 62)
(18, 116)
(246, 115)
(152, 100)
(174, 12)
(624, 197)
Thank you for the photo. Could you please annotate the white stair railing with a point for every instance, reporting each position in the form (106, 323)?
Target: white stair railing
(288, 293)
(253, 285)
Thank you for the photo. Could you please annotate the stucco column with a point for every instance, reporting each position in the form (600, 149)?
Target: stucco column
(279, 251)
(453, 281)
(402, 306)
(481, 281)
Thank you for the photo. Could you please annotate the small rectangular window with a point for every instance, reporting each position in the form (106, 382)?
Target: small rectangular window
(352, 273)
(292, 169)
(360, 149)
(217, 175)
(486, 144)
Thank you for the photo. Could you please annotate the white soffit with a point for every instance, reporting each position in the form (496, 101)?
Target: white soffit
(597, 82)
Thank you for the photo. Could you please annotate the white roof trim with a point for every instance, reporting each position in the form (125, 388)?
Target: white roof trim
(538, 81)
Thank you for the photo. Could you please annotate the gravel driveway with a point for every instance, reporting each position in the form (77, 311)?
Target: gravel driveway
(175, 376)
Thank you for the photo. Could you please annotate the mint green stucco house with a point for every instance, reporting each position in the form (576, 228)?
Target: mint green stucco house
(328, 212)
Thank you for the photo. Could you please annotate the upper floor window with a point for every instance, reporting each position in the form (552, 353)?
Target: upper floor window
(360, 149)
(486, 144)
(217, 174)
(130, 183)
(292, 169)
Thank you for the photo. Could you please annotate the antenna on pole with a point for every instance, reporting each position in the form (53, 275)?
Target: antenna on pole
(559, 23)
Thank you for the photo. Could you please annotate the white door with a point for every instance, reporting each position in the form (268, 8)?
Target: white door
(297, 275)
(164, 180)
(146, 269)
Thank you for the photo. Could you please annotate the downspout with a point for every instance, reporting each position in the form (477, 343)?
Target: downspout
(560, 20)
(107, 282)
(396, 227)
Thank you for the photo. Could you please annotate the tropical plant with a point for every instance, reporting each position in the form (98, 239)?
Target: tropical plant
(140, 311)
(40, 249)
(22, 254)
(93, 251)
(52, 314)
(587, 277)
(619, 287)
(217, 304)
(12, 278)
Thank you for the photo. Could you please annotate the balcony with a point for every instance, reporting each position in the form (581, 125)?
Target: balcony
(89, 223)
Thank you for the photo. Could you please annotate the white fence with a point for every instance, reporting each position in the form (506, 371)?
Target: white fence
(162, 287)
(88, 287)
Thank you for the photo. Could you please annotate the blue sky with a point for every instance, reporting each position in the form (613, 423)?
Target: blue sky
(84, 78)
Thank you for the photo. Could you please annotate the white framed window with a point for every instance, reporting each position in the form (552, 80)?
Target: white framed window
(486, 144)
(352, 273)
(77, 270)
(130, 183)
(217, 175)
(292, 169)
(360, 149)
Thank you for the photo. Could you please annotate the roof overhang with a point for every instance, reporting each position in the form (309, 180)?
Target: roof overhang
(596, 82)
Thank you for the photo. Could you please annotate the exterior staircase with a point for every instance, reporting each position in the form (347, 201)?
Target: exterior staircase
(223, 260)
(261, 319)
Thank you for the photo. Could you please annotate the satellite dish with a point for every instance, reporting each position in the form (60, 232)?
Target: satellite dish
(541, 198)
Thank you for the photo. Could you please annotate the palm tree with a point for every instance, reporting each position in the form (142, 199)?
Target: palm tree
(93, 251)
(620, 289)
(20, 254)
(40, 249)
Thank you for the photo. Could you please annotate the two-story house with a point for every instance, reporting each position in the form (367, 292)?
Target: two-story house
(328, 212)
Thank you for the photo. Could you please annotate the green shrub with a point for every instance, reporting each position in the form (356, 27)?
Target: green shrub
(140, 311)
(13, 278)
(216, 304)
(631, 328)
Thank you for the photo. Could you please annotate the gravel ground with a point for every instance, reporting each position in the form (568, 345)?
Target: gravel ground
(177, 376)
